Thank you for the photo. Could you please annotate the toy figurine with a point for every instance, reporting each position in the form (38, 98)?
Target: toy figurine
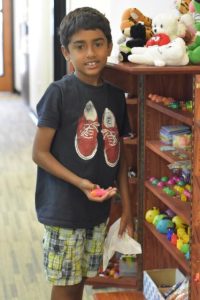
(158, 218)
(170, 231)
(98, 192)
(151, 213)
(163, 225)
(178, 222)
(174, 239)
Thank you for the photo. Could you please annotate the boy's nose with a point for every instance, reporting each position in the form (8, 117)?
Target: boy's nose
(90, 52)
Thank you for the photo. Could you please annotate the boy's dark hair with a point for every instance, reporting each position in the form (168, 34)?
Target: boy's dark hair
(83, 18)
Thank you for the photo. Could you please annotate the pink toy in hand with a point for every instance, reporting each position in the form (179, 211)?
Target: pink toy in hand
(98, 192)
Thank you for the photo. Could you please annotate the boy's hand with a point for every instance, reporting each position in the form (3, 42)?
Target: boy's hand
(95, 193)
(100, 195)
(126, 224)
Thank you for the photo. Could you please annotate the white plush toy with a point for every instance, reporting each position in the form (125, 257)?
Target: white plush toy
(166, 27)
(168, 24)
(171, 54)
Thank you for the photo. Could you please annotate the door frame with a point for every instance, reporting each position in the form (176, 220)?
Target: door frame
(6, 80)
(59, 61)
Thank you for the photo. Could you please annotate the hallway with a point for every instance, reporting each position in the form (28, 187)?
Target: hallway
(21, 273)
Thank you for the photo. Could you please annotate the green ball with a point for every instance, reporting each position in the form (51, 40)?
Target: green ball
(164, 179)
(185, 248)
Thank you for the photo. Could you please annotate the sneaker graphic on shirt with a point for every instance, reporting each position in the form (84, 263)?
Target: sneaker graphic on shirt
(86, 134)
(111, 138)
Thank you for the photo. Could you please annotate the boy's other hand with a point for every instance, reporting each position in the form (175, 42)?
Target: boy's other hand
(126, 225)
(101, 195)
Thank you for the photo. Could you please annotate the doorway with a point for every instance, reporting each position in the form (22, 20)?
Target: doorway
(59, 61)
(6, 61)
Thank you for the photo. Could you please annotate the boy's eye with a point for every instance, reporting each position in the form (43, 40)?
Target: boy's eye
(79, 46)
(98, 44)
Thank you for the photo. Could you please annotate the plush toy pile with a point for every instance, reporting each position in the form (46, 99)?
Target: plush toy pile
(165, 47)
(164, 40)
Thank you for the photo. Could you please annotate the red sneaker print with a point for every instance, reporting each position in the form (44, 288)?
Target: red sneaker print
(86, 134)
(111, 138)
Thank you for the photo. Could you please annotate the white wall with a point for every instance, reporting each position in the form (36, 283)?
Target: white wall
(40, 48)
(103, 5)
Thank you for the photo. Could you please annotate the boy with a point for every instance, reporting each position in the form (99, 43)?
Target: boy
(77, 148)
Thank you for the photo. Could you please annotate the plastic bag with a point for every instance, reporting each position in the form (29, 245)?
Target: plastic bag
(114, 243)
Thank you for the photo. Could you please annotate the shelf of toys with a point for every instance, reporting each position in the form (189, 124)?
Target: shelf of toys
(168, 168)
(170, 182)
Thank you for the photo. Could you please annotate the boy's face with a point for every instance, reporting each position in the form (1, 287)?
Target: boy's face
(88, 51)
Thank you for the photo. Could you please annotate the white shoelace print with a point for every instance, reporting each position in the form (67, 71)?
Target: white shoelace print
(111, 135)
(88, 130)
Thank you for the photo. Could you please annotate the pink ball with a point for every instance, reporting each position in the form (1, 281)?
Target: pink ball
(152, 178)
(161, 184)
(171, 181)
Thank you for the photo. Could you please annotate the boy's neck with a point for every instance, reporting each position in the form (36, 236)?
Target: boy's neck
(90, 80)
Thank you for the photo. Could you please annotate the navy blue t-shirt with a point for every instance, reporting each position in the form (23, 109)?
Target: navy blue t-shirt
(89, 121)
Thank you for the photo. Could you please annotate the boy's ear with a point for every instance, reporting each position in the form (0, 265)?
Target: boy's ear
(110, 46)
(65, 53)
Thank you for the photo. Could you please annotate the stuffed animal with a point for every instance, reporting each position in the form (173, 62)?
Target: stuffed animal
(194, 48)
(172, 54)
(184, 8)
(166, 28)
(132, 16)
(137, 38)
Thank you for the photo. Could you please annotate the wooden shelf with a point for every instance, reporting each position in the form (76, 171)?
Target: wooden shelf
(123, 282)
(155, 145)
(137, 69)
(182, 209)
(179, 257)
(182, 116)
(131, 101)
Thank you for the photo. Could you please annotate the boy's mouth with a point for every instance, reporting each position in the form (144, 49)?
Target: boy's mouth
(91, 64)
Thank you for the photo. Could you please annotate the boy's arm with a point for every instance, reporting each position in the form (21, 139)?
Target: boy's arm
(126, 218)
(44, 159)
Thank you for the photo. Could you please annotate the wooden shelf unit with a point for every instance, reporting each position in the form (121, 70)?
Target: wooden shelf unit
(182, 83)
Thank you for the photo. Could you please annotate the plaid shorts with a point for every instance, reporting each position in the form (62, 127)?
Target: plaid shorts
(71, 254)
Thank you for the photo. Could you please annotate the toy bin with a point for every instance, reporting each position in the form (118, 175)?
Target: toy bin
(160, 280)
(127, 265)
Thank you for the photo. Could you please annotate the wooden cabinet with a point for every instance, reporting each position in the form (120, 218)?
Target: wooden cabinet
(145, 155)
